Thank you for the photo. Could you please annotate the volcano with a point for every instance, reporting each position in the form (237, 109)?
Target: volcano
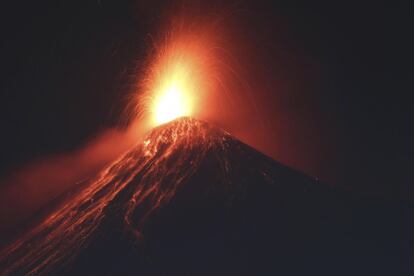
(190, 199)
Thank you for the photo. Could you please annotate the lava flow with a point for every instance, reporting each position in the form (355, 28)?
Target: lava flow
(148, 174)
(146, 177)
(193, 200)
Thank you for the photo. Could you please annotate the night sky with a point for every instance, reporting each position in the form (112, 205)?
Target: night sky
(332, 81)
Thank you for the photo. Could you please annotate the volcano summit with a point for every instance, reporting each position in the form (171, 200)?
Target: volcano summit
(193, 200)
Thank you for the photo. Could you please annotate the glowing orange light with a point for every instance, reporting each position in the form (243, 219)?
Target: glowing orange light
(178, 78)
(174, 96)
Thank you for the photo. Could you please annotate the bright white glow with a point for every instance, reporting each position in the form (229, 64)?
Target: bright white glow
(171, 105)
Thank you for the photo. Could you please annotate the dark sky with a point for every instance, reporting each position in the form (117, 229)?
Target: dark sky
(332, 81)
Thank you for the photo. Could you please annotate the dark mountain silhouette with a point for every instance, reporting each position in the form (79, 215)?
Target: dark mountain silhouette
(193, 200)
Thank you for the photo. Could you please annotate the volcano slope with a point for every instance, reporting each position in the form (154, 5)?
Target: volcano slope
(193, 200)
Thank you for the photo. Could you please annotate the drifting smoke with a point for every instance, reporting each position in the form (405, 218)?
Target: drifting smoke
(31, 187)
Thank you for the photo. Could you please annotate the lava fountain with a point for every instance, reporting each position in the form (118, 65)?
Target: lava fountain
(180, 77)
(175, 96)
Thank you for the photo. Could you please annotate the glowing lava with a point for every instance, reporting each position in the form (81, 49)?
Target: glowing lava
(174, 98)
(149, 175)
(179, 77)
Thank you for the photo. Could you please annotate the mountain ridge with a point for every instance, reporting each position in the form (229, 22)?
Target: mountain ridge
(192, 199)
